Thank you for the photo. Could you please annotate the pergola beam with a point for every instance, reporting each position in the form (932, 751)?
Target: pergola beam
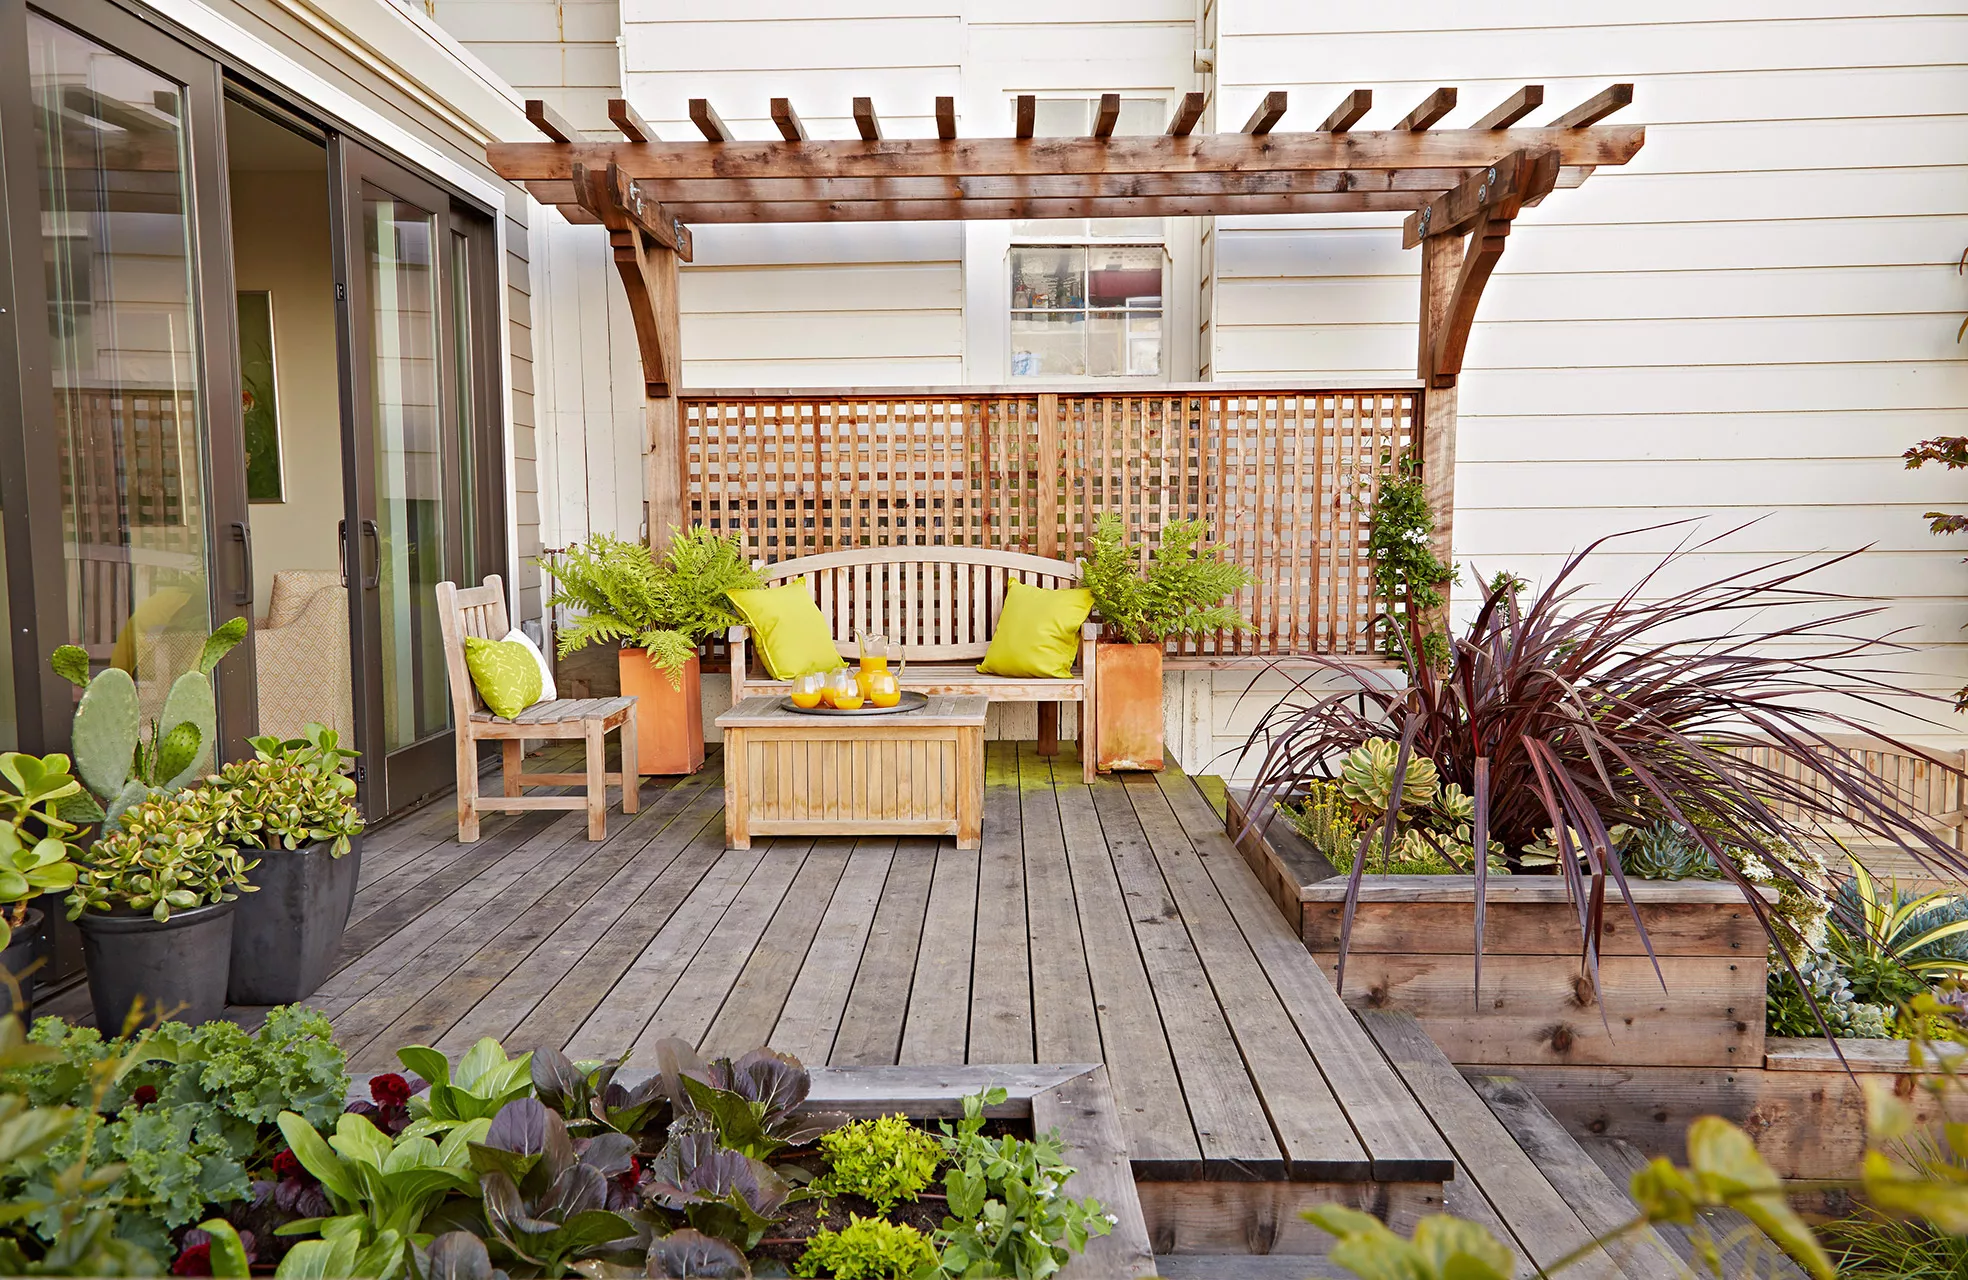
(633, 126)
(551, 122)
(865, 122)
(1596, 108)
(1107, 115)
(1349, 111)
(1270, 110)
(787, 120)
(707, 120)
(1514, 108)
(1188, 114)
(1518, 179)
(1429, 110)
(1024, 114)
(946, 118)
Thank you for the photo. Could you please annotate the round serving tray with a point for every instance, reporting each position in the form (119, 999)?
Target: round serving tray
(911, 701)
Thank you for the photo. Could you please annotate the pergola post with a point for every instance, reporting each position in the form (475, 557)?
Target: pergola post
(1441, 264)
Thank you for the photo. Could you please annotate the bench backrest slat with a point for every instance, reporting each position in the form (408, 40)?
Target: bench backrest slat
(941, 603)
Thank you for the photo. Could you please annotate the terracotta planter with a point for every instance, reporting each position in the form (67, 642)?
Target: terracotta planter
(669, 720)
(1127, 725)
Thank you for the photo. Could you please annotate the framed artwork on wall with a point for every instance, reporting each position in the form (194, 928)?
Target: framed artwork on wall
(258, 398)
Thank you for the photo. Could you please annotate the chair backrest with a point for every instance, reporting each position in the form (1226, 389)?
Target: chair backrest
(941, 603)
(1930, 791)
(468, 611)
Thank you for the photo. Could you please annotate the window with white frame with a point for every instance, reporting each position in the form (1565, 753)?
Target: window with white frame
(1086, 293)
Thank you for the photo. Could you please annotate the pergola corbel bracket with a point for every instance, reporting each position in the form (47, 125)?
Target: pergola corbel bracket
(646, 242)
(1482, 205)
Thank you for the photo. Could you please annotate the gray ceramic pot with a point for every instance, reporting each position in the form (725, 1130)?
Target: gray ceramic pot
(286, 936)
(178, 966)
(17, 959)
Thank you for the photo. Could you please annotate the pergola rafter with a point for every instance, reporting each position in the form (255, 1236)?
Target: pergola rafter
(1457, 184)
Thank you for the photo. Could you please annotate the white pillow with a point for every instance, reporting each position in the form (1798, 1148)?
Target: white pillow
(547, 691)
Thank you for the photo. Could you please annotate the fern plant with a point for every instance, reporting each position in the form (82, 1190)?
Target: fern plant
(1179, 593)
(622, 595)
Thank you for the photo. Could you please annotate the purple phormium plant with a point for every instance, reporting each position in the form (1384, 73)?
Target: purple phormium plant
(1570, 717)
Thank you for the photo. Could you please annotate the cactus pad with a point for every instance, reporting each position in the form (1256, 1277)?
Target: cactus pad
(189, 702)
(178, 750)
(104, 739)
(132, 793)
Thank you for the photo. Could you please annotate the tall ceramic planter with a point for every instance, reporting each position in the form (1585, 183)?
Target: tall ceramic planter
(669, 720)
(178, 966)
(1127, 715)
(22, 950)
(286, 936)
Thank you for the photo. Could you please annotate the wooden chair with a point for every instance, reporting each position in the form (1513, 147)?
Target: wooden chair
(942, 604)
(481, 611)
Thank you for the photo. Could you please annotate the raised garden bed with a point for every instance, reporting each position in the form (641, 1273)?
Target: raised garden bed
(1411, 951)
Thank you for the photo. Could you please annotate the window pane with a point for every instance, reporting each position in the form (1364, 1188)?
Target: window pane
(123, 337)
(1047, 279)
(467, 402)
(1125, 276)
(1144, 344)
(409, 435)
(1062, 118)
(1048, 346)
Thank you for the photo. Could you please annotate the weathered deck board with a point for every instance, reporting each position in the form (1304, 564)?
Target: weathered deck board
(1097, 923)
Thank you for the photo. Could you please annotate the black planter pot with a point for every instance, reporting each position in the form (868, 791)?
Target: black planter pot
(22, 950)
(178, 966)
(285, 937)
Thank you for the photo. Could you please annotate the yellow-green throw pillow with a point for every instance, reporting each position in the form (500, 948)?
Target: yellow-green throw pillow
(1038, 633)
(788, 628)
(505, 674)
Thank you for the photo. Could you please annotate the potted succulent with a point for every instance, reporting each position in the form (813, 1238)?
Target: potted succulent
(1142, 602)
(154, 898)
(35, 858)
(294, 809)
(658, 610)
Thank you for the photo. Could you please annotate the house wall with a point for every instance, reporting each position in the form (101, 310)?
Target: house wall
(1744, 326)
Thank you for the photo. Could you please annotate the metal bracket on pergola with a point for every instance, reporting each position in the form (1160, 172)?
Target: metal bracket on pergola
(1462, 189)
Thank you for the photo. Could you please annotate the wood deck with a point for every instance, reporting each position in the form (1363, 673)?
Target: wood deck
(1110, 922)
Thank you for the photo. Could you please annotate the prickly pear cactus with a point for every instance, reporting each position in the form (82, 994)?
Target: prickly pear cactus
(105, 734)
(191, 724)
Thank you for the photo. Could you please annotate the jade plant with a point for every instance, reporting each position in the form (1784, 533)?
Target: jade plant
(118, 757)
(36, 853)
(291, 794)
(165, 854)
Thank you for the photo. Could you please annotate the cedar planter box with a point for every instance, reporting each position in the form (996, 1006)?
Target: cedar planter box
(1076, 1099)
(1127, 716)
(1412, 950)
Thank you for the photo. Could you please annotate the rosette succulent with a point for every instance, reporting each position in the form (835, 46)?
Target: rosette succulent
(165, 855)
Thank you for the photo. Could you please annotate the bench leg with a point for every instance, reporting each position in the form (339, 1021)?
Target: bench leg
(512, 757)
(631, 775)
(597, 780)
(1048, 728)
(467, 788)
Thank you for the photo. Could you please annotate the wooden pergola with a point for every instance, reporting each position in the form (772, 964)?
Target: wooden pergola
(1462, 188)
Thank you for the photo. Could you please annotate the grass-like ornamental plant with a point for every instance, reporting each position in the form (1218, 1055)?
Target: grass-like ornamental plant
(867, 1249)
(1563, 719)
(883, 1160)
(165, 855)
(1178, 591)
(291, 794)
(622, 595)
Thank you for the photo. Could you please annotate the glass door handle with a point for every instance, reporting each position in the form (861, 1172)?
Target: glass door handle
(242, 533)
(374, 579)
(341, 548)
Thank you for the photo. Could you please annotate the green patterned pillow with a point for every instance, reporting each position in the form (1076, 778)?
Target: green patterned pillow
(505, 674)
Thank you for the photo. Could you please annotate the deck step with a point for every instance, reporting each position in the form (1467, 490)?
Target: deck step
(1247, 1266)
(1620, 1159)
(1533, 1192)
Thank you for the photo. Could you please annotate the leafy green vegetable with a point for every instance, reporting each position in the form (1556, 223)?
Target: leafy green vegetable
(1007, 1216)
(752, 1104)
(716, 1190)
(546, 1204)
(883, 1160)
(867, 1249)
(1180, 593)
(587, 1097)
(685, 1254)
(485, 1081)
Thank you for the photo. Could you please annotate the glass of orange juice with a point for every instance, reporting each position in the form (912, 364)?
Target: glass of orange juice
(807, 689)
(844, 690)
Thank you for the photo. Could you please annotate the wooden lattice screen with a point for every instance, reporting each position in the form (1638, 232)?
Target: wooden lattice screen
(1286, 480)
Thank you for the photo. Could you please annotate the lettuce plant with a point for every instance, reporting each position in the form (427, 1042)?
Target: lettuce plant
(485, 1081)
(715, 1190)
(685, 1254)
(546, 1199)
(752, 1104)
(587, 1096)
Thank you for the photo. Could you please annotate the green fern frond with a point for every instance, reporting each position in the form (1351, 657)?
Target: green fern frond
(1180, 590)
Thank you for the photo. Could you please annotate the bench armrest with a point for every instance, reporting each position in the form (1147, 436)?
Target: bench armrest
(738, 633)
(1091, 630)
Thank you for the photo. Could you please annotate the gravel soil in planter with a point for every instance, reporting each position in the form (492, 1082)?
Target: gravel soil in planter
(178, 966)
(18, 957)
(286, 936)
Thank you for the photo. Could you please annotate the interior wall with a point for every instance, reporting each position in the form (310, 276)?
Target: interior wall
(281, 244)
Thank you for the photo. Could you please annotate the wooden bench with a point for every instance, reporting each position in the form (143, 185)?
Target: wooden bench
(942, 605)
(481, 611)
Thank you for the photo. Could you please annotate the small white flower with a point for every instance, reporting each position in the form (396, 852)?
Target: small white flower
(1112, 1221)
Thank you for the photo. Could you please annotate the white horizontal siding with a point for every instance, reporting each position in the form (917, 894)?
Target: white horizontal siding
(1744, 326)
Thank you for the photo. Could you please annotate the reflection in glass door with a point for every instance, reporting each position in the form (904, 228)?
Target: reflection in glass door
(409, 532)
(117, 243)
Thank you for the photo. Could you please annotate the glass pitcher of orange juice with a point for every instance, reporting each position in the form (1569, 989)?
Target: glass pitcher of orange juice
(879, 685)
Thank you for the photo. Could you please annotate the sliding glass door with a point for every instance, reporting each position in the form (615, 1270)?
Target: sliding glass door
(413, 400)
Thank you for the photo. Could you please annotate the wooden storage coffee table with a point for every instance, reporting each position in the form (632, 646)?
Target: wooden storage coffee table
(918, 773)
